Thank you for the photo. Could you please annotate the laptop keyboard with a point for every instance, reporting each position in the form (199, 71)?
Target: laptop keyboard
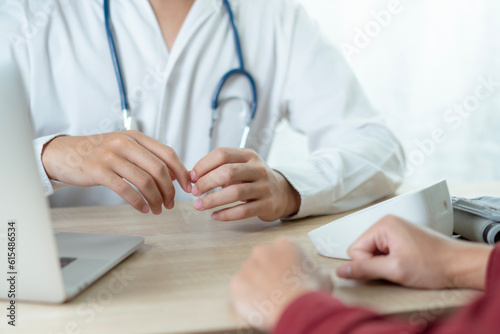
(66, 260)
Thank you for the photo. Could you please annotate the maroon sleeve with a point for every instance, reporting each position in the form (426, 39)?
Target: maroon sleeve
(319, 313)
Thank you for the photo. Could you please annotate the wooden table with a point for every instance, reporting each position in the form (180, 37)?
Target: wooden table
(178, 281)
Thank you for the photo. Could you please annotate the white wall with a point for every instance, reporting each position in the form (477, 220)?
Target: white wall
(422, 65)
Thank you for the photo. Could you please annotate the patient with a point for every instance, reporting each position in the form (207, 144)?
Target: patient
(278, 289)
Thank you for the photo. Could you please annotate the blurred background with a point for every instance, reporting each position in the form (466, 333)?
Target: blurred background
(432, 68)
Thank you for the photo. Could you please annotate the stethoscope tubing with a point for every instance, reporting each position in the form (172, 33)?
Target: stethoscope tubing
(116, 63)
(215, 97)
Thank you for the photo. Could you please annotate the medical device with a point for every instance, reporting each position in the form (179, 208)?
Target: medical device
(429, 207)
(477, 219)
(128, 121)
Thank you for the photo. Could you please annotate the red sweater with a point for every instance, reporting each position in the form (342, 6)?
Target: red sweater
(318, 313)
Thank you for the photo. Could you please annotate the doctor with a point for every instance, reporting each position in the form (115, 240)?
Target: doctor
(153, 68)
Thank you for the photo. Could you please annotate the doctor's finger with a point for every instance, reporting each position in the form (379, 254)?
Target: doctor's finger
(232, 194)
(125, 191)
(238, 212)
(155, 167)
(218, 157)
(167, 155)
(224, 175)
(143, 181)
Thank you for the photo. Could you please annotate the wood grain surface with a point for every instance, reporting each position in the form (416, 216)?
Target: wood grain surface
(178, 281)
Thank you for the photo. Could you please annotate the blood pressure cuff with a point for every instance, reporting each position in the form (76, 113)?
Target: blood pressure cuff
(477, 219)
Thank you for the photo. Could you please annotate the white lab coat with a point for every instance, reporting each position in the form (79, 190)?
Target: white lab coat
(62, 50)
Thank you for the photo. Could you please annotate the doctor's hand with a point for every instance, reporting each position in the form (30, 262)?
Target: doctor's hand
(271, 279)
(108, 159)
(403, 253)
(244, 177)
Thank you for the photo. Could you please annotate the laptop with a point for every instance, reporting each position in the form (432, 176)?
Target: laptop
(41, 265)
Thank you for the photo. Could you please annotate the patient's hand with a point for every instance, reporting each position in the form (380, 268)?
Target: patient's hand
(271, 279)
(403, 253)
(107, 159)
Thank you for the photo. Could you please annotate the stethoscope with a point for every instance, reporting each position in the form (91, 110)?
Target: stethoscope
(128, 121)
